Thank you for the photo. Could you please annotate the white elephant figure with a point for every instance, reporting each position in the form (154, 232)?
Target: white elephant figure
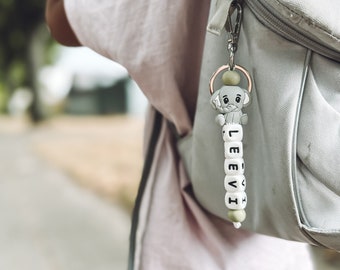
(229, 101)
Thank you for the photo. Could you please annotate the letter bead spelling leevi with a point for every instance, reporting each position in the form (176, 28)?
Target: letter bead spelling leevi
(229, 101)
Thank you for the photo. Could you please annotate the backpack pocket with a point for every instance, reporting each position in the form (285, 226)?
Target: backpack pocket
(317, 183)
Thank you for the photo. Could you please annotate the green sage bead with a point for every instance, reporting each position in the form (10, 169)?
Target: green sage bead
(231, 77)
(237, 215)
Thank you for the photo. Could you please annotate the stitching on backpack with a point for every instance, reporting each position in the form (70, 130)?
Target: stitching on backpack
(309, 21)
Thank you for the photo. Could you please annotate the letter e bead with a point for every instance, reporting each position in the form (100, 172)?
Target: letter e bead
(233, 150)
(234, 166)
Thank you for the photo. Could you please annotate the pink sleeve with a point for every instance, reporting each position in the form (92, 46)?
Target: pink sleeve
(159, 42)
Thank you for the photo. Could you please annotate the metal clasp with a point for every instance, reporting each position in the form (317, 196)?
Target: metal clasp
(233, 31)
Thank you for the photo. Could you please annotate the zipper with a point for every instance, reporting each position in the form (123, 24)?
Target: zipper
(272, 20)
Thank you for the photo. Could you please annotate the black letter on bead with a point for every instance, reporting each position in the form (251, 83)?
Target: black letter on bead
(231, 132)
(234, 150)
(233, 201)
(233, 167)
(233, 184)
(244, 182)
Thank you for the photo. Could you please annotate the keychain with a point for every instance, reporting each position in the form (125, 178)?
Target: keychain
(229, 101)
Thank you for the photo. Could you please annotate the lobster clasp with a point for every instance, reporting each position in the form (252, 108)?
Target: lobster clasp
(233, 30)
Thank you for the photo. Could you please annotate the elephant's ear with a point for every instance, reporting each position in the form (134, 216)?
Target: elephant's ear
(215, 100)
(247, 98)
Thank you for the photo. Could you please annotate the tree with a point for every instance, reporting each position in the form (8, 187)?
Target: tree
(21, 24)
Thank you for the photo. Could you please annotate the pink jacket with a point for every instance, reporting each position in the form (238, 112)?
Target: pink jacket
(161, 43)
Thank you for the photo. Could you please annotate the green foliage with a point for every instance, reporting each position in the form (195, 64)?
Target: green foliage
(52, 51)
(3, 98)
(19, 22)
(17, 73)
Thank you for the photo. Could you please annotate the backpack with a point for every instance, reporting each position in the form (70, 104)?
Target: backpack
(291, 143)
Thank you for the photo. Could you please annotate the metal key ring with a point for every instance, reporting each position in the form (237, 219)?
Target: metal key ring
(227, 67)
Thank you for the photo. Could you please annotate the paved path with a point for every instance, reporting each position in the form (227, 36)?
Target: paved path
(49, 223)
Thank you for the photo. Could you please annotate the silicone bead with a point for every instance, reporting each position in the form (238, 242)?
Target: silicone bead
(234, 166)
(236, 200)
(233, 150)
(231, 77)
(237, 215)
(235, 183)
(232, 132)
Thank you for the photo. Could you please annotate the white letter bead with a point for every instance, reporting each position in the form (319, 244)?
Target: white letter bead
(236, 200)
(235, 183)
(234, 166)
(232, 132)
(233, 150)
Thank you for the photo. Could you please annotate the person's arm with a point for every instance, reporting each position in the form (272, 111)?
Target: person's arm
(58, 23)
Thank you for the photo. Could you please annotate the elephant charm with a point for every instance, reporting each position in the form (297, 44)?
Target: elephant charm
(229, 101)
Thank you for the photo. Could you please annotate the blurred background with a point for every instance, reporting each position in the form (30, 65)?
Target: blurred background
(71, 131)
